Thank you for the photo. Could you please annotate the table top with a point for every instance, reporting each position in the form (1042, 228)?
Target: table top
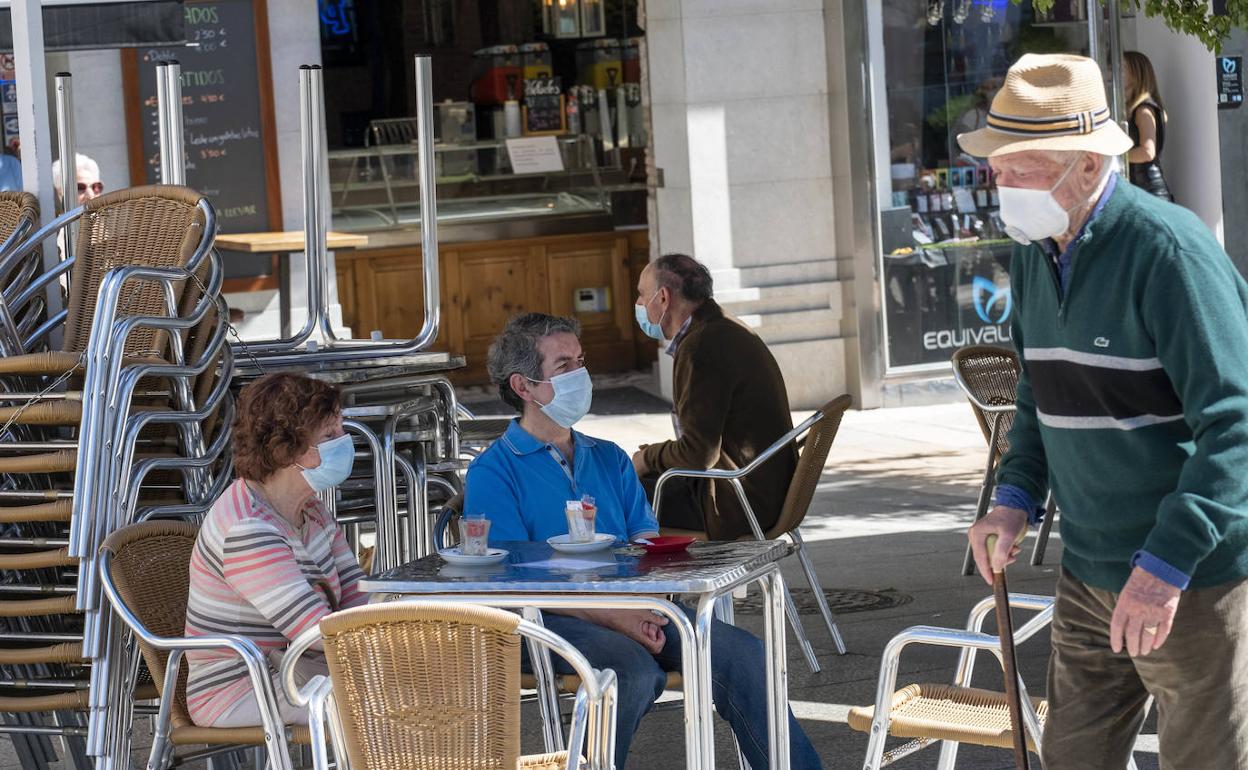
(533, 567)
(358, 370)
(281, 242)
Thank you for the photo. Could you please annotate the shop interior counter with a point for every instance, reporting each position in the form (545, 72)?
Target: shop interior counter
(375, 190)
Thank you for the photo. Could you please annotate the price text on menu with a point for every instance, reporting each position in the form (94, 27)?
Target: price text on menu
(221, 112)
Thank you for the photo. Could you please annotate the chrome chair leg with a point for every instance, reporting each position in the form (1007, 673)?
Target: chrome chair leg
(813, 580)
(547, 692)
(1042, 537)
(795, 621)
(948, 755)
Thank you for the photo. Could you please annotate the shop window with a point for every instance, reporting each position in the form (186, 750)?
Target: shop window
(944, 254)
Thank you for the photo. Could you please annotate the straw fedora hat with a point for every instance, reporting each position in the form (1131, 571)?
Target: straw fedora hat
(1049, 102)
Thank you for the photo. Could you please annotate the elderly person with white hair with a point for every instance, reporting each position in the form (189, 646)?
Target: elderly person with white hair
(1131, 325)
(88, 178)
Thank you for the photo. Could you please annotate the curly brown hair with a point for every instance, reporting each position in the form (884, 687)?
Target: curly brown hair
(275, 419)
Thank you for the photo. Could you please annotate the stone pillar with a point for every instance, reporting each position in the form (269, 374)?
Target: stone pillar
(739, 107)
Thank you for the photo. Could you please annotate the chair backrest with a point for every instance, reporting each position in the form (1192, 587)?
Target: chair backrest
(989, 376)
(392, 131)
(17, 209)
(19, 216)
(151, 569)
(810, 466)
(448, 521)
(152, 226)
(430, 686)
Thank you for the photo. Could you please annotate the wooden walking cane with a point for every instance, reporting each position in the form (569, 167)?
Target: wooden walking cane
(1005, 629)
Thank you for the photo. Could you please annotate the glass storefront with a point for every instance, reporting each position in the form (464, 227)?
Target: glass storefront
(943, 253)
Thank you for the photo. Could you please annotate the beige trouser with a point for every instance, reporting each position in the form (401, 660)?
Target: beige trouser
(246, 712)
(1199, 679)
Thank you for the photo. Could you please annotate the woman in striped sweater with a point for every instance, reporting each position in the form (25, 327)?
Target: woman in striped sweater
(270, 561)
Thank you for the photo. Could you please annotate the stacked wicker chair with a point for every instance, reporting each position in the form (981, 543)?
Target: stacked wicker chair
(110, 409)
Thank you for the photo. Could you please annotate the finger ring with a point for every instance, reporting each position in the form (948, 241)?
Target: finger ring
(1150, 630)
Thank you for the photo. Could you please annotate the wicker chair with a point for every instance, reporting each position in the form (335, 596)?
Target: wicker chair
(153, 226)
(957, 713)
(952, 713)
(159, 227)
(19, 216)
(436, 685)
(822, 427)
(989, 377)
(145, 573)
(447, 532)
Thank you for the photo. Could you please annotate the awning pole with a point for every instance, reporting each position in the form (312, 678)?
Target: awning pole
(35, 128)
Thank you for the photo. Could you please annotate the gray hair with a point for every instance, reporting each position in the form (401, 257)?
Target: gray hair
(514, 351)
(682, 274)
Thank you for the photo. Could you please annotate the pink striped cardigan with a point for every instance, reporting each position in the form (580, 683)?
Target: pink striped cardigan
(253, 573)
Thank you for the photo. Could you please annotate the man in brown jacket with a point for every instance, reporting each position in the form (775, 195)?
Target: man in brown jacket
(729, 404)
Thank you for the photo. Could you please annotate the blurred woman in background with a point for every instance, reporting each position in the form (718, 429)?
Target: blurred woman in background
(1147, 124)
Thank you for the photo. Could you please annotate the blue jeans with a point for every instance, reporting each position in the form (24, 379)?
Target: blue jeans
(738, 683)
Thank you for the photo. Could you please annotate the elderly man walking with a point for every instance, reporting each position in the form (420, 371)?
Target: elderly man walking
(1132, 329)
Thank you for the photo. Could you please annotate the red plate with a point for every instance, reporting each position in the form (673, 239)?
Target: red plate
(670, 544)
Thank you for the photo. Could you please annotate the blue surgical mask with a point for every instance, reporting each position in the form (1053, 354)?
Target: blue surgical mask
(337, 458)
(649, 328)
(574, 392)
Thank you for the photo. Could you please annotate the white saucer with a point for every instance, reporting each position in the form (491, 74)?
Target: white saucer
(477, 571)
(492, 556)
(562, 544)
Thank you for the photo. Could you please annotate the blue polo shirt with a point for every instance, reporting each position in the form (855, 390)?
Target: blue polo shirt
(521, 485)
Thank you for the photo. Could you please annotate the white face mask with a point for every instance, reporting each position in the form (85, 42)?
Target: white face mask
(1033, 215)
(574, 392)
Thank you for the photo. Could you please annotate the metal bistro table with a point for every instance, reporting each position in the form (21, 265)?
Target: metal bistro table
(534, 575)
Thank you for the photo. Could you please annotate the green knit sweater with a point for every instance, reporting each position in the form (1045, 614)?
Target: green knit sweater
(1133, 399)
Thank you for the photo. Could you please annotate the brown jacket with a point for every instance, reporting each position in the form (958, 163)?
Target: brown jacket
(731, 403)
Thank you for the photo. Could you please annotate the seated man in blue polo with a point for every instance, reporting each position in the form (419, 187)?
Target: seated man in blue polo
(521, 484)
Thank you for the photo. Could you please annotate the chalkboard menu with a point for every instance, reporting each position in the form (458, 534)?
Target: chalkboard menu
(226, 118)
(543, 106)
